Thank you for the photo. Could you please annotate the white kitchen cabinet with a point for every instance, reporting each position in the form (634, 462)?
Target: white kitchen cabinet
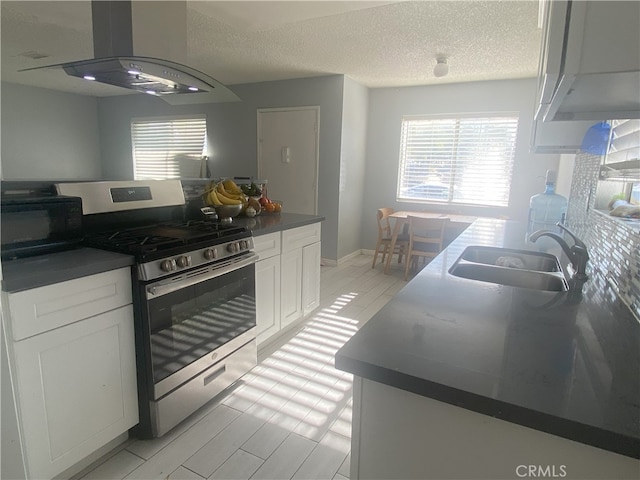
(287, 278)
(74, 383)
(300, 267)
(400, 434)
(291, 286)
(267, 285)
(590, 61)
(310, 278)
(558, 137)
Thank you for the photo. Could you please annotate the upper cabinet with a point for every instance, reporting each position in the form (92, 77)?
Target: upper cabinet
(589, 67)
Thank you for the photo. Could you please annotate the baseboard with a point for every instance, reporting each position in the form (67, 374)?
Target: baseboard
(98, 457)
(334, 263)
(346, 258)
(327, 262)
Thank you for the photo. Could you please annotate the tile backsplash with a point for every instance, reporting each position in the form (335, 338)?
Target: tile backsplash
(614, 248)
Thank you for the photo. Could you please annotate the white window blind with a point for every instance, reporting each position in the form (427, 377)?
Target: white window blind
(625, 141)
(168, 147)
(466, 160)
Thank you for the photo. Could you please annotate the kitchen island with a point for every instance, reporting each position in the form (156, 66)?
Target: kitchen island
(458, 378)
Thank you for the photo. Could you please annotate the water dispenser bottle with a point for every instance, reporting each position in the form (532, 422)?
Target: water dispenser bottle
(548, 208)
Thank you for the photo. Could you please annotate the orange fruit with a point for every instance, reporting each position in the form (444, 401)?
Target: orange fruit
(269, 207)
(277, 207)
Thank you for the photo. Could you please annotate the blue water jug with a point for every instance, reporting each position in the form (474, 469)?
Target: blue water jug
(547, 208)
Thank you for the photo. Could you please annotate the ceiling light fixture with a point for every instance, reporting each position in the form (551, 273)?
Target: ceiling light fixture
(441, 68)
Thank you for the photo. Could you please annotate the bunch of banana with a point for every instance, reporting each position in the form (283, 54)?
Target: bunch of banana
(216, 194)
(231, 187)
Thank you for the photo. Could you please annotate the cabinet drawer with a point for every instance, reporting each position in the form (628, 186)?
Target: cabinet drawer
(267, 246)
(46, 308)
(300, 236)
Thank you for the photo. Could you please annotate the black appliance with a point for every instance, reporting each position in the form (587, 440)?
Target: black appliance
(33, 225)
(193, 289)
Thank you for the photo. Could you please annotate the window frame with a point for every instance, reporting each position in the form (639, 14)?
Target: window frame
(457, 118)
(167, 118)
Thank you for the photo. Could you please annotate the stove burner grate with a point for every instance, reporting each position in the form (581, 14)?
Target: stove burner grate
(162, 237)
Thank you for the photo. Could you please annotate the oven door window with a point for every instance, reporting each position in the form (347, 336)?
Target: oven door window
(193, 321)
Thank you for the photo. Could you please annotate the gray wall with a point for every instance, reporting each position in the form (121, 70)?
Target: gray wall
(232, 131)
(48, 135)
(352, 166)
(359, 140)
(388, 105)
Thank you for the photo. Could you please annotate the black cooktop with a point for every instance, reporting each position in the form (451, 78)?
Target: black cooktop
(154, 241)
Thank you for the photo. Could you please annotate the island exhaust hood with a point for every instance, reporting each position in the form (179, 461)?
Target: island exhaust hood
(138, 45)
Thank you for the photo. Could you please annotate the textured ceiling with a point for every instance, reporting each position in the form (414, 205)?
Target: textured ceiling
(378, 44)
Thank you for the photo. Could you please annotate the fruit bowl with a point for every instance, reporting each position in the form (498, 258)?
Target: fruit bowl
(226, 212)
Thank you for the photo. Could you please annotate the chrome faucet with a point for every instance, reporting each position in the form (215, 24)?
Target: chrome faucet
(577, 254)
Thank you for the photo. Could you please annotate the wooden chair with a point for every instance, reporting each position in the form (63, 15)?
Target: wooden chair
(426, 240)
(384, 238)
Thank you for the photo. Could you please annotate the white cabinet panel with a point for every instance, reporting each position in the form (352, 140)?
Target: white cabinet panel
(76, 390)
(267, 246)
(45, 308)
(590, 63)
(558, 137)
(300, 236)
(268, 297)
(310, 278)
(291, 286)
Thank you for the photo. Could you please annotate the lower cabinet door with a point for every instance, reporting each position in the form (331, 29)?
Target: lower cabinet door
(267, 297)
(291, 286)
(310, 278)
(76, 390)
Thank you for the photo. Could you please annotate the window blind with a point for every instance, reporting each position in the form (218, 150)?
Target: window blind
(168, 147)
(625, 141)
(467, 160)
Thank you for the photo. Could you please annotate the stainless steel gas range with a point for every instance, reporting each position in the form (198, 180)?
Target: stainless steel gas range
(194, 294)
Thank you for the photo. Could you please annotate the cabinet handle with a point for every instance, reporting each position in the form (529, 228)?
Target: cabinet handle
(210, 378)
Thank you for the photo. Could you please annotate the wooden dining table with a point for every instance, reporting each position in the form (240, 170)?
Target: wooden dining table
(458, 222)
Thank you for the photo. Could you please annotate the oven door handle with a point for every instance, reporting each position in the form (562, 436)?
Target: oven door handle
(186, 280)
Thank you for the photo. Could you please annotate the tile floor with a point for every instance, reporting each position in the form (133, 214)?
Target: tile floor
(290, 416)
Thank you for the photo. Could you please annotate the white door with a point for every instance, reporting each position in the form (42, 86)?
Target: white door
(288, 156)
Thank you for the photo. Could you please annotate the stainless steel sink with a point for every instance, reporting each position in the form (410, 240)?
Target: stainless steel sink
(508, 257)
(516, 268)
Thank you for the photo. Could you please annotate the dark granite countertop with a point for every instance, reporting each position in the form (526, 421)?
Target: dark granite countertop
(269, 223)
(40, 270)
(564, 363)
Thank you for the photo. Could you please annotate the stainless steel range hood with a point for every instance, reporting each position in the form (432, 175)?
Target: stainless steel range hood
(139, 45)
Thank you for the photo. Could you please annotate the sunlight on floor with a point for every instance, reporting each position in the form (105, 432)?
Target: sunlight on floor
(297, 386)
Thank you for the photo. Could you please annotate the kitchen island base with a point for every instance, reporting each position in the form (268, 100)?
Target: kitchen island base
(399, 434)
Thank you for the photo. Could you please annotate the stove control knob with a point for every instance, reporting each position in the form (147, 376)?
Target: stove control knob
(210, 253)
(184, 261)
(244, 245)
(232, 247)
(168, 265)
